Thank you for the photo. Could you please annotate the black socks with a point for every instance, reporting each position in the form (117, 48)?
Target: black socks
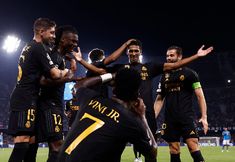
(19, 152)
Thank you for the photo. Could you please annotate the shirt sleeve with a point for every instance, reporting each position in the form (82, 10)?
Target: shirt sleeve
(44, 59)
(194, 80)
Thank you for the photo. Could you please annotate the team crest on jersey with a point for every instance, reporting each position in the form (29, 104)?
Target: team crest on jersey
(57, 129)
(144, 73)
(167, 76)
(182, 77)
(26, 48)
(127, 66)
(144, 68)
(27, 124)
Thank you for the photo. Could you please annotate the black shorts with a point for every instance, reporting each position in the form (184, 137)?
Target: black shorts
(49, 125)
(22, 122)
(173, 131)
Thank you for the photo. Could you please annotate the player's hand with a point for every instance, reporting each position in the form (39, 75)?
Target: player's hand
(77, 55)
(102, 71)
(73, 65)
(201, 52)
(204, 124)
(129, 41)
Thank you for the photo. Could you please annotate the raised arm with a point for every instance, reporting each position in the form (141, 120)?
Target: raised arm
(185, 61)
(203, 107)
(94, 69)
(116, 54)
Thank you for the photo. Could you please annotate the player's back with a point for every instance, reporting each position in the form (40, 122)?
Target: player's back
(101, 130)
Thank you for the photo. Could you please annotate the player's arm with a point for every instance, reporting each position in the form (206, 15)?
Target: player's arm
(91, 81)
(69, 77)
(203, 108)
(48, 66)
(116, 54)
(185, 61)
(56, 73)
(94, 69)
(73, 63)
(158, 104)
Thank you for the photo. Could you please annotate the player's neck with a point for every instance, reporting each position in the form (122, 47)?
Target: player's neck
(119, 101)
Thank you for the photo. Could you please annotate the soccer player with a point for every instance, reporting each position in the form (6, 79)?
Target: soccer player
(71, 108)
(51, 102)
(176, 89)
(34, 62)
(98, 59)
(226, 138)
(150, 70)
(103, 125)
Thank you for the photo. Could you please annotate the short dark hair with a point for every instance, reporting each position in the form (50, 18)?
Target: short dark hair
(96, 54)
(135, 42)
(63, 30)
(178, 49)
(43, 23)
(127, 83)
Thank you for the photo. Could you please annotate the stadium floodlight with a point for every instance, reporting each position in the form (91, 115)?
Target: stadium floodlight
(141, 58)
(11, 44)
(228, 81)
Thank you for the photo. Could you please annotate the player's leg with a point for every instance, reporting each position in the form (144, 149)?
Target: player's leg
(193, 146)
(55, 133)
(54, 148)
(21, 127)
(150, 116)
(223, 145)
(32, 151)
(174, 151)
(20, 148)
(227, 144)
(137, 155)
(171, 134)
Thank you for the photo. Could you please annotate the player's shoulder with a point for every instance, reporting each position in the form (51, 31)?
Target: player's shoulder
(189, 70)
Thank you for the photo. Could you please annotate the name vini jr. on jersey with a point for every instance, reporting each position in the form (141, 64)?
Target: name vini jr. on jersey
(112, 114)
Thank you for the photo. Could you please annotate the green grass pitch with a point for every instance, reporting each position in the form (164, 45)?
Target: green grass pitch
(211, 154)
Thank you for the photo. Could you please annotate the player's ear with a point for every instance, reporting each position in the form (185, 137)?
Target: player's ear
(180, 57)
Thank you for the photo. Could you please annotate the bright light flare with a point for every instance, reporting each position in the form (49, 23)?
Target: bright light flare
(11, 44)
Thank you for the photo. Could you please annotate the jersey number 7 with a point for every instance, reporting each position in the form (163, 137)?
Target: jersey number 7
(98, 124)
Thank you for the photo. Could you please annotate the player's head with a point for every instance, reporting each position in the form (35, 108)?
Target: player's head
(225, 128)
(44, 29)
(174, 54)
(134, 51)
(126, 86)
(66, 38)
(96, 55)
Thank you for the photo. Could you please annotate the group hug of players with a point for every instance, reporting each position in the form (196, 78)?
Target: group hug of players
(104, 124)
